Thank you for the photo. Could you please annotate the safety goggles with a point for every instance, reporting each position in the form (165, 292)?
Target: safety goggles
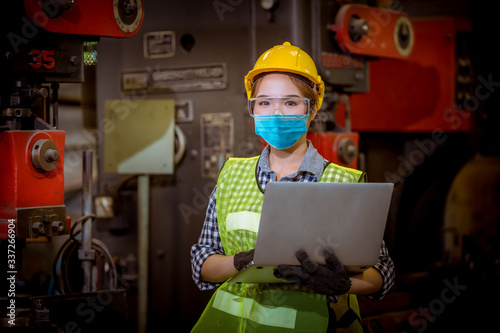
(269, 105)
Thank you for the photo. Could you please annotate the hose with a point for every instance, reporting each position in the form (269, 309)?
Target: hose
(60, 279)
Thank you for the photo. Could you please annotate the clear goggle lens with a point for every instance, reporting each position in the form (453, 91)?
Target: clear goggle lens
(267, 106)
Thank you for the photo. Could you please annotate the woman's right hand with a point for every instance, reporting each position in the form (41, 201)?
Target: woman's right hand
(243, 259)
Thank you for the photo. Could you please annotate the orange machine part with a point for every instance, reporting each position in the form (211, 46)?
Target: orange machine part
(327, 144)
(381, 39)
(22, 185)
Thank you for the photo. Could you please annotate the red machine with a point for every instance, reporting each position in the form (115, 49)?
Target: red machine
(356, 35)
(43, 44)
(420, 93)
(401, 75)
(32, 178)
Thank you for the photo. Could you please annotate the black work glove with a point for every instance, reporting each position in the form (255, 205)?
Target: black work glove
(242, 259)
(330, 279)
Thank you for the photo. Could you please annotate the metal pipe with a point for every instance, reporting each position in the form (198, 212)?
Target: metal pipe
(55, 104)
(143, 250)
(86, 245)
(347, 102)
(315, 31)
(253, 34)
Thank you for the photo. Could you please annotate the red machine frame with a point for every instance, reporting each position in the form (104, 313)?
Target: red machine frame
(417, 94)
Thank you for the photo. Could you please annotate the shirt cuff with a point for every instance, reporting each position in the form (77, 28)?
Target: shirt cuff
(196, 264)
(387, 274)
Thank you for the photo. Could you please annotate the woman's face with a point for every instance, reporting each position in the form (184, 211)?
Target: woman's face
(280, 85)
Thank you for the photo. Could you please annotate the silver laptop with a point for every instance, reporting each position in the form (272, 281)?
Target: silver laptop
(348, 217)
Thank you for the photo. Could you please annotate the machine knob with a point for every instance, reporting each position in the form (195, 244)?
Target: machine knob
(347, 150)
(44, 155)
(51, 155)
(57, 227)
(38, 228)
(358, 28)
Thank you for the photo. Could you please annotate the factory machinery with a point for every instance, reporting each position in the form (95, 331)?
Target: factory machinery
(46, 43)
(170, 109)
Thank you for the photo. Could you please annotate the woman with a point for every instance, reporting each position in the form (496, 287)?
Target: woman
(285, 93)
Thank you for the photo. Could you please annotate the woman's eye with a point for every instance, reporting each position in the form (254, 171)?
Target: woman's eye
(290, 103)
(263, 103)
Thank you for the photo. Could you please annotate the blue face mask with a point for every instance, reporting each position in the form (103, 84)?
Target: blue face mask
(281, 131)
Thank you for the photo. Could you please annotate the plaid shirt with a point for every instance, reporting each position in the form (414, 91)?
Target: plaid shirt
(310, 170)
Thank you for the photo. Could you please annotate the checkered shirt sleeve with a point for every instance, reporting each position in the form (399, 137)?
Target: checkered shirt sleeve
(209, 243)
(385, 266)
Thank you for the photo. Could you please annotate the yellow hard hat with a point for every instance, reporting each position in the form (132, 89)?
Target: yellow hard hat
(287, 58)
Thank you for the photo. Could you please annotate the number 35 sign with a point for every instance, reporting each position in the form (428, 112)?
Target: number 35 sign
(42, 58)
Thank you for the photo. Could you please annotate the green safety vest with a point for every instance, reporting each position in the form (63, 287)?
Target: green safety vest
(280, 307)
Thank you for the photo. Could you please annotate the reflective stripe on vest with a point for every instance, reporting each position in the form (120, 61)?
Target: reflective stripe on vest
(243, 221)
(248, 308)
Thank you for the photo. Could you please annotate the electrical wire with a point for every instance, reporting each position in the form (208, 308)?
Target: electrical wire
(60, 274)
